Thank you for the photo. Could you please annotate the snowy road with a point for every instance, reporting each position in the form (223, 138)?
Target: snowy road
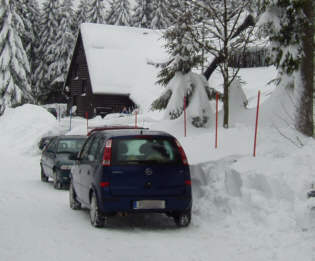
(244, 209)
(37, 224)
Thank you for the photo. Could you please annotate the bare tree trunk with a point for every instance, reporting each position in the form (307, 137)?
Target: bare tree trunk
(304, 119)
(225, 72)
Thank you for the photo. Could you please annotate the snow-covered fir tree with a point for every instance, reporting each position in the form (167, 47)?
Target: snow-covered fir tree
(180, 82)
(96, 12)
(290, 26)
(48, 50)
(142, 15)
(81, 14)
(119, 13)
(29, 12)
(14, 65)
(162, 18)
(64, 45)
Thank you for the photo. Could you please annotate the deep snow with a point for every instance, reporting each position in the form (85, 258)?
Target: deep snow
(245, 208)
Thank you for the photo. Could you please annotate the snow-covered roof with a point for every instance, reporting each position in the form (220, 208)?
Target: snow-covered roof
(118, 57)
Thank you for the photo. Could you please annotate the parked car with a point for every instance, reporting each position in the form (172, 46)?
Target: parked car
(44, 141)
(55, 162)
(131, 171)
(53, 111)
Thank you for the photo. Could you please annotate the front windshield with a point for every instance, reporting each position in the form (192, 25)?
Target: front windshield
(70, 145)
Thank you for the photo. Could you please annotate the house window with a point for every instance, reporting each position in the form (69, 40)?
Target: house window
(75, 72)
(84, 86)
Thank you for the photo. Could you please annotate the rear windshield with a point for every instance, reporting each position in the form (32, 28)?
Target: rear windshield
(69, 145)
(145, 151)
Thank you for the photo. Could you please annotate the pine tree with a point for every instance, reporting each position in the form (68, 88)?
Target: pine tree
(14, 65)
(45, 73)
(291, 30)
(96, 12)
(81, 14)
(162, 18)
(64, 45)
(142, 16)
(29, 12)
(177, 75)
(119, 13)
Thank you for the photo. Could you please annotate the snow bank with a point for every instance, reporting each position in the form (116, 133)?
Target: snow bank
(22, 127)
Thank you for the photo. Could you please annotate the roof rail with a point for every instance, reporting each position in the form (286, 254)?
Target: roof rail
(113, 127)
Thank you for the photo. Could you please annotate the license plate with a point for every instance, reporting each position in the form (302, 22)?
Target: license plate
(149, 204)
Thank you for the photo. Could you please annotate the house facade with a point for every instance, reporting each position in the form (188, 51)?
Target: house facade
(81, 94)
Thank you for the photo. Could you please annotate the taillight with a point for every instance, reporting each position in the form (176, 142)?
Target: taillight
(182, 153)
(107, 153)
(104, 184)
(188, 182)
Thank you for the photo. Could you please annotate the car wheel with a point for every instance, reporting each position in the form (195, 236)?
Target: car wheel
(96, 217)
(183, 219)
(43, 177)
(74, 204)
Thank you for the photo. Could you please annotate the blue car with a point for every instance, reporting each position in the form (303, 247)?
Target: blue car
(131, 171)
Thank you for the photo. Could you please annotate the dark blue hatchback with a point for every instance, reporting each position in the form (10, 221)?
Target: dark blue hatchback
(132, 171)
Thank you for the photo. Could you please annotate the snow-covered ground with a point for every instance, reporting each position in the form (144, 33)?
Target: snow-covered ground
(244, 208)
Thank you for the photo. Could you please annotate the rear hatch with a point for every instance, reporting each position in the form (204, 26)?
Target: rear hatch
(146, 166)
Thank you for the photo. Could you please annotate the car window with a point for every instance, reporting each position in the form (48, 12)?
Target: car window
(85, 150)
(70, 145)
(51, 147)
(93, 149)
(161, 150)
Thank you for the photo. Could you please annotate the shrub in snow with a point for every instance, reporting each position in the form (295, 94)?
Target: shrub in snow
(192, 86)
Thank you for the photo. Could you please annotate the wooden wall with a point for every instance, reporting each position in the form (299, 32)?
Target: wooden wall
(80, 90)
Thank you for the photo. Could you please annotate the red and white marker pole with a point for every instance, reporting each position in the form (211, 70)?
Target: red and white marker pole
(185, 123)
(216, 120)
(256, 125)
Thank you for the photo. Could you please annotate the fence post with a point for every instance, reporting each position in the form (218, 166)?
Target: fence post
(256, 125)
(216, 120)
(136, 119)
(87, 122)
(70, 117)
(185, 123)
(59, 113)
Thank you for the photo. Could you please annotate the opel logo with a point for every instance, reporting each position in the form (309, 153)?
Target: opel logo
(148, 172)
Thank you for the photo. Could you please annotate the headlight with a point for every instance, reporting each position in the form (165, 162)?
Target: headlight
(65, 167)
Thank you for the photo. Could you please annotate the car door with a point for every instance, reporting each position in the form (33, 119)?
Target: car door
(79, 169)
(48, 158)
(92, 163)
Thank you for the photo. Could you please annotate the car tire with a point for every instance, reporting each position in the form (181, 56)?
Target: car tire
(183, 219)
(43, 177)
(74, 203)
(96, 217)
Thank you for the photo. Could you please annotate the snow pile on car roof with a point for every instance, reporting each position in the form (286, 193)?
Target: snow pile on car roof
(22, 127)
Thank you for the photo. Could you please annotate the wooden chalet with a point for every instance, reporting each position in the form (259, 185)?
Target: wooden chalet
(81, 81)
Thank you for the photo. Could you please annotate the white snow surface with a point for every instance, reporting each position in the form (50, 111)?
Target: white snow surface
(245, 208)
(118, 60)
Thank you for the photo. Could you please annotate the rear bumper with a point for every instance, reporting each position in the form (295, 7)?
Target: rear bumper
(126, 204)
